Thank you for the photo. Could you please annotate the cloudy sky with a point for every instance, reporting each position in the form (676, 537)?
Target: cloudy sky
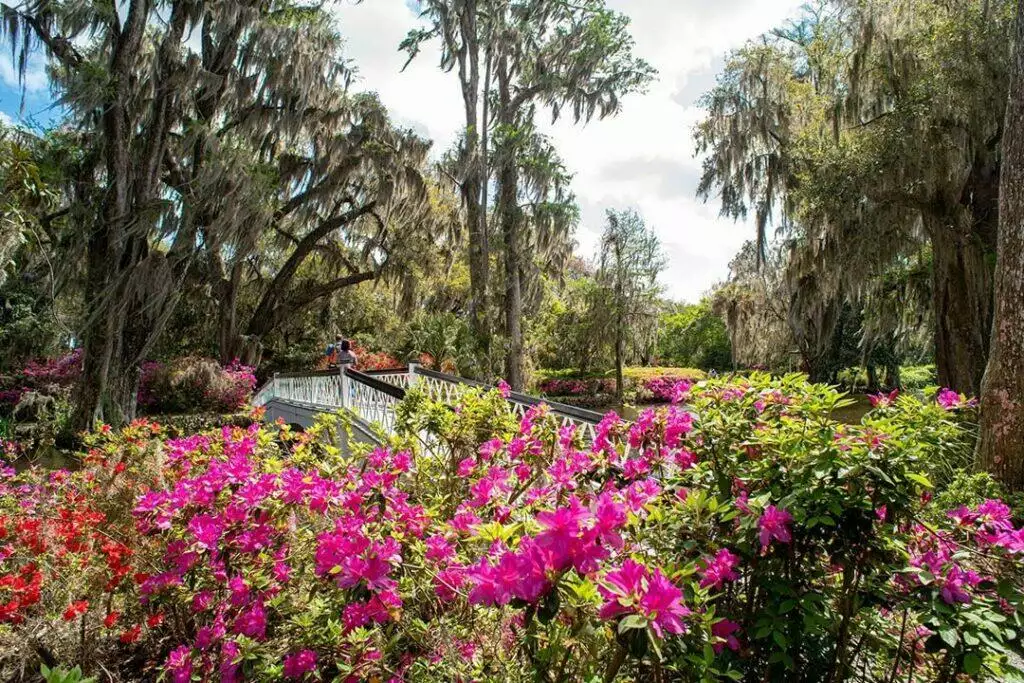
(644, 158)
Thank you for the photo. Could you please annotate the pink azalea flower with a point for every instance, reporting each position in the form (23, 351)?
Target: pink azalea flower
(624, 584)
(504, 389)
(179, 664)
(883, 400)
(609, 517)
(252, 622)
(230, 662)
(774, 525)
(948, 399)
(448, 582)
(663, 604)
(489, 448)
(439, 549)
(300, 663)
(719, 569)
(955, 585)
(634, 589)
(723, 631)
(466, 466)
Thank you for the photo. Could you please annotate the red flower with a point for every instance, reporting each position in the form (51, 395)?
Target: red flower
(76, 609)
(131, 635)
(111, 619)
(154, 620)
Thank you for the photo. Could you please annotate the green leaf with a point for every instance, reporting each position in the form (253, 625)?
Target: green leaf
(632, 621)
(920, 479)
(972, 663)
(949, 636)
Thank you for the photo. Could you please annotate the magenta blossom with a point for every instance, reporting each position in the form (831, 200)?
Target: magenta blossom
(633, 589)
(774, 525)
(882, 400)
(179, 664)
(719, 569)
(723, 631)
(504, 389)
(299, 664)
(949, 399)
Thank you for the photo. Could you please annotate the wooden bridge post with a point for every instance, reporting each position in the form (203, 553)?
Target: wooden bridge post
(346, 387)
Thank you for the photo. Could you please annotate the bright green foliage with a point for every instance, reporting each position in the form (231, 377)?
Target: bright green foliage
(59, 675)
(694, 336)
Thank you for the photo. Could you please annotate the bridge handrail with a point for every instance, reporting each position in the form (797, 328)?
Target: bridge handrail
(574, 412)
(374, 383)
(373, 379)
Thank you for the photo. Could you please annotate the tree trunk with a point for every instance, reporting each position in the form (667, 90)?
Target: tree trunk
(508, 210)
(962, 301)
(1001, 446)
(229, 340)
(513, 284)
(892, 376)
(872, 378)
(474, 179)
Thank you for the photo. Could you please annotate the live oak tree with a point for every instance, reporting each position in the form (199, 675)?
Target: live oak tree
(873, 130)
(219, 135)
(1001, 444)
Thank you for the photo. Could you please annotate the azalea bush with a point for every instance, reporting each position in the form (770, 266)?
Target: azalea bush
(189, 385)
(576, 387)
(738, 534)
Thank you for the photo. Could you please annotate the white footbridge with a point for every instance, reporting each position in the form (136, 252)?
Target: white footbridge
(369, 398)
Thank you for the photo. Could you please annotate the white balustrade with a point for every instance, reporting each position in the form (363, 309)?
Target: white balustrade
(374, 406)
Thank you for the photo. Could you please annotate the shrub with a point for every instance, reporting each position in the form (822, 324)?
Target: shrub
(190, 385)
(576, 387)
(62, 371)
(746, 536)
(912, 377)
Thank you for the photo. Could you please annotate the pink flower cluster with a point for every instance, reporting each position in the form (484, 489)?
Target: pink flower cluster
(236, 541)
(666, 389)
(573, 537)
(635, 589)
(990, 523)
(951, 400)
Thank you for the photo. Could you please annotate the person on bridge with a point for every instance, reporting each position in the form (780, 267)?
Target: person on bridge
(345, 355)
(332, 352)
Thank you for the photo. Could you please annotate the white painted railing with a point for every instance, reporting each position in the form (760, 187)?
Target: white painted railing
(373, 396)
(447, 388)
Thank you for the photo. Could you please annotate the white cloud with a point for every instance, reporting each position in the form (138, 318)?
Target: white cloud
(642, 158)
(6, 119)
(35, 75)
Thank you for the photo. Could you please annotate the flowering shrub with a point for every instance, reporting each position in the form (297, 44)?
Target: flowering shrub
(663, 389)
(576, 387)
(52, 377)
(62, 371)
(374, 360)
(194, 385)
(739, 535)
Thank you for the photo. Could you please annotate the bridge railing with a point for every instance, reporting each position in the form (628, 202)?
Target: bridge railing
(373, 395)
(444, 387)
